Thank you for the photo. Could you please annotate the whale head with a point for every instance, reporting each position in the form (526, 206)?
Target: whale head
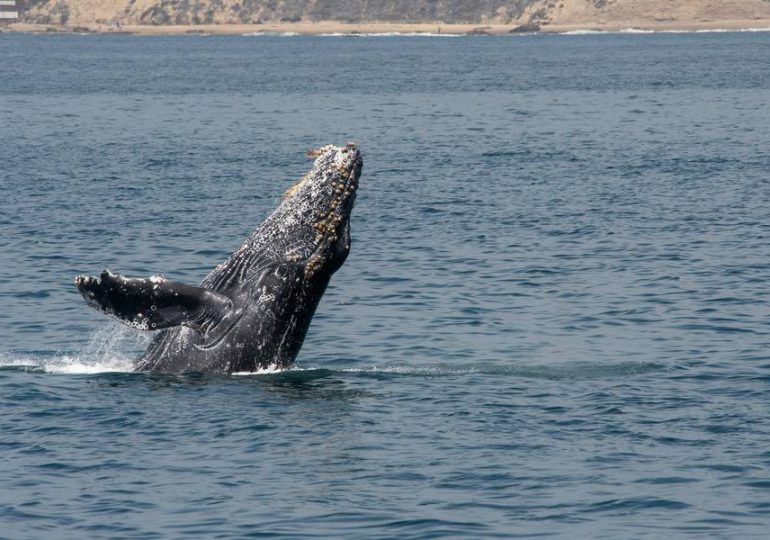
(314, 216)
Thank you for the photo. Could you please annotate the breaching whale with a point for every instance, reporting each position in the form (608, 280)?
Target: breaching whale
(253, 310)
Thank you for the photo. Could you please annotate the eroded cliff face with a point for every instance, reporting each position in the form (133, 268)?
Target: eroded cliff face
(257, 11)
(580, 12)
(562, 12)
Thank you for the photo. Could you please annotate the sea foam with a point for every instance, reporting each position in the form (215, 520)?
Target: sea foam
(112, 348)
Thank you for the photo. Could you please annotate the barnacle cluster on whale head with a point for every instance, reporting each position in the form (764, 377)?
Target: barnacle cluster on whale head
(322, 200)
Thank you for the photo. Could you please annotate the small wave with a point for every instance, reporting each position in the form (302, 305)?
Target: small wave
(582, 32)
(724, 30)
(576, 370)
(69, 365)
(18, 362)
(636, 31)
(111, 349)
(275, 34)
(636, 504)
(388, 34)
(409, 34)
(589, 32)
(269, 370)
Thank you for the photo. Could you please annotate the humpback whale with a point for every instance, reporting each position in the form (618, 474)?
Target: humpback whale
(253, 310)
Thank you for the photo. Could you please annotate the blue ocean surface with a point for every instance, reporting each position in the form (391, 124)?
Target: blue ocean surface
(553, 321)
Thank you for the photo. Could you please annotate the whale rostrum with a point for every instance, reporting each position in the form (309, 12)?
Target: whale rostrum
(252, 311)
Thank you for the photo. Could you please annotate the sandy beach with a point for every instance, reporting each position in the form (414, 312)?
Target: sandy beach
(333, 27)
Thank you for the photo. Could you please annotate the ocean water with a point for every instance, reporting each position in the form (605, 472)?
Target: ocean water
(553, 321)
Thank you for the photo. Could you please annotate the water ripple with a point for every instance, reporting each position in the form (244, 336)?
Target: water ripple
(552, 322)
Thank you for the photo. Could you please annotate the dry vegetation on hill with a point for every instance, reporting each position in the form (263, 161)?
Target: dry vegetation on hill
(554, 12)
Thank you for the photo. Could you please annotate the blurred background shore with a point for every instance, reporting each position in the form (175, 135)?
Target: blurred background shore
(390, 16)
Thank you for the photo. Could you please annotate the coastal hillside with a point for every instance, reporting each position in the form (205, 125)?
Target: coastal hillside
(543, 12)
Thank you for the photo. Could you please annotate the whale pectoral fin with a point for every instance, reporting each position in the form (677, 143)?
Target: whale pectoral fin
(154, 303)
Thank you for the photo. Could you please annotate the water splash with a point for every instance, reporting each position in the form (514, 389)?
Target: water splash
(269, 370)
(112, 348)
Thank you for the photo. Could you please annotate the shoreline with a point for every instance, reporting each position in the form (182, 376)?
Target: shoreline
(352, 29)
